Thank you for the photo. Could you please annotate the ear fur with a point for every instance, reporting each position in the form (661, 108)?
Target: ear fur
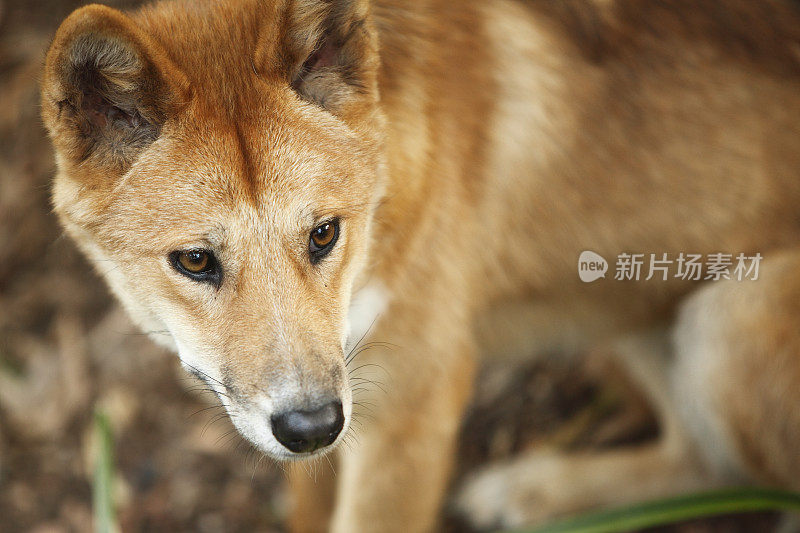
(107, 88)
(331, 49)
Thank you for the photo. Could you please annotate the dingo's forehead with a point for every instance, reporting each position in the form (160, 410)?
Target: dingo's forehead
(283, 166)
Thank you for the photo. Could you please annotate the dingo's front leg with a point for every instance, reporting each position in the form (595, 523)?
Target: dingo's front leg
(312, 489)
(394, 471)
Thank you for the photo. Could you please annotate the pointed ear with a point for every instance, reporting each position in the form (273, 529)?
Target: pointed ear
(331, 51)
(107, 88)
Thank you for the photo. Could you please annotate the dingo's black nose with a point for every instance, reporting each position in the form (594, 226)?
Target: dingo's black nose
(306, 431)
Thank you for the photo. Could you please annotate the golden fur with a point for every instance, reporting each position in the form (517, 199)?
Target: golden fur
(471, 150)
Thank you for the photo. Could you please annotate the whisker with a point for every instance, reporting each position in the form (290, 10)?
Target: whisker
(224, 435)
(204, 409)
(216, 418)
(363, 382)
(347, 359)
(366, 365)
(327, 458)
(367, 347)
(200, 372)
(202, 388)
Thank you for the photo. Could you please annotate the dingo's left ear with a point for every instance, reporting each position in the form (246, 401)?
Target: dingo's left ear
(329, 52)
(107, 88)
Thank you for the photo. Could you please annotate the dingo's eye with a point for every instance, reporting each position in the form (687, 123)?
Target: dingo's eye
(199, 265)
(322, 239)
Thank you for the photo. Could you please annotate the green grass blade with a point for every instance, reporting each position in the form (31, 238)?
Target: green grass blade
(104, 516)
(674, 510)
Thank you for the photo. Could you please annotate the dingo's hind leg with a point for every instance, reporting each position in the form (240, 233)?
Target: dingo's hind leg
(738, 373)
(726, 387)
(545, 484)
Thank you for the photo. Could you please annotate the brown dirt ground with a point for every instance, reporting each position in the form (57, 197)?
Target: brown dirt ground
(66, 349)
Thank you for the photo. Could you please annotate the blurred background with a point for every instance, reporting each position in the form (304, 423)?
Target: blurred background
(67, 351)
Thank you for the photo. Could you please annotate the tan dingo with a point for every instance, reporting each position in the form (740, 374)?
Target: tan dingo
(273, 180)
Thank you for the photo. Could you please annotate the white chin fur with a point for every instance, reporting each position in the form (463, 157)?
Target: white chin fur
(365, 308)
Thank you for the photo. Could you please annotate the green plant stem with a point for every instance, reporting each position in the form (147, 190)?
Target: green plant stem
(674, 510)
(104, 516)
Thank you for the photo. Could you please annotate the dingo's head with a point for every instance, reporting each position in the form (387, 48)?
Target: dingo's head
(220, 163)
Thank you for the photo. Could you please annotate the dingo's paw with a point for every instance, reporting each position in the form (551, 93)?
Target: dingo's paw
(523, 491)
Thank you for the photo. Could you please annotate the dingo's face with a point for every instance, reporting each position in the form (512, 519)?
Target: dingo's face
(234, 237)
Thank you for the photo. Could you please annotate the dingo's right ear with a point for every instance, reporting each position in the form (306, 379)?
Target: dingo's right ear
(329, 50)
(107, 88)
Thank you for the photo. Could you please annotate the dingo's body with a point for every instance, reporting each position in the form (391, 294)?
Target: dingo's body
(446, 158)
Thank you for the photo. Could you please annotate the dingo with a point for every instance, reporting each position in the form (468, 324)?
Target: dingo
(273, 180)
